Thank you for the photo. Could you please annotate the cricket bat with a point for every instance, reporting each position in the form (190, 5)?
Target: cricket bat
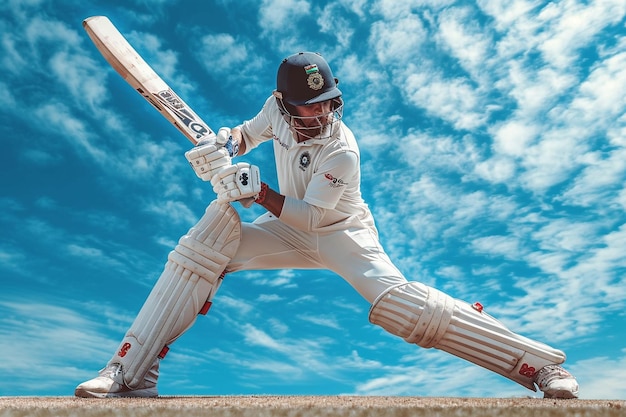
(131, 66)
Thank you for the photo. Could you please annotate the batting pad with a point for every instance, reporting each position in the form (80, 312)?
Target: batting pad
(189, 280)
(430, 318)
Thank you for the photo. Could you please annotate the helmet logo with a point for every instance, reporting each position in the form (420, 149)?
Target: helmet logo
(315, 80)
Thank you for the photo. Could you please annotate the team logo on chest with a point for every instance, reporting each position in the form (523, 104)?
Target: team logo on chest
(305, 160)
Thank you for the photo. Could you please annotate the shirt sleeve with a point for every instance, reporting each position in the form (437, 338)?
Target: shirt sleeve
(331, 180)
(300, 215)
(323, 193)
(258, 129)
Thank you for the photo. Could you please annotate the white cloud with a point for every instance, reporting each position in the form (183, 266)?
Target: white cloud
(12, 259)
(397, 42)
(150, 48)
(358, 7)
(505, 246)
(223, 54)
(552, 160)
(599, 101)
(431, 372)
(464, 38)
(12, 59)
(331, 21)
(450, 154)
(496, 169)
(565, 235)
(7, 100)
(60, 117)
(391, 9)
(509, 14)
(278, 17)
(49, 340)
(325, 321)
(234, 62)
(571, 25)
(536, 91)
(600, 377)
(513, 137)
(269, 298)
(174, 210)
(43, 33)
(240, 306)
(453, 100)
(598, 181)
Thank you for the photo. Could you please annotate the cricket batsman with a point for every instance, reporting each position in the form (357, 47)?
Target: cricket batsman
(316, 219)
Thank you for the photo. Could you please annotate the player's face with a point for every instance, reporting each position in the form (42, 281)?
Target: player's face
(315, 115)
(317, 120)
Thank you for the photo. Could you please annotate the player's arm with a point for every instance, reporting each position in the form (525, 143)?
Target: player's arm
(298, 213)
(323, 193)
(241, 182)
(271, 200)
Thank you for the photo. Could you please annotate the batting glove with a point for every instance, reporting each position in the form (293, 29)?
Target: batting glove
(207, 159)
(237, 182)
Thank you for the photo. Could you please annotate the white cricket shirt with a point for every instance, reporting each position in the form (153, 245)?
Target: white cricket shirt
(322, 172)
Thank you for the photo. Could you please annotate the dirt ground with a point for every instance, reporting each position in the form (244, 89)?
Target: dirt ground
(306, 406)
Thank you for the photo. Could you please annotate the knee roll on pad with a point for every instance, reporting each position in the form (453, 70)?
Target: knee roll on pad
(430, 318)
(190, 278)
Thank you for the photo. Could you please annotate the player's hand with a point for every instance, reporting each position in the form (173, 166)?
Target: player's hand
(207, 159)
(225, 139)
(237, 182)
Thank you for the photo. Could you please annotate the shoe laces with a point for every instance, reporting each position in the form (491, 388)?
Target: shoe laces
(550, 373)
(113, 371)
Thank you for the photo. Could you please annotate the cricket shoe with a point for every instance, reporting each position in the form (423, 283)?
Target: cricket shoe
(110, 384)
(556, 382)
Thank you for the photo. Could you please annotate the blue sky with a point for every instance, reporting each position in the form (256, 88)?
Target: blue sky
(493, 144)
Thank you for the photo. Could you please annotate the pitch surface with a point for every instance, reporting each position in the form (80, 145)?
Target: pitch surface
(305, 406)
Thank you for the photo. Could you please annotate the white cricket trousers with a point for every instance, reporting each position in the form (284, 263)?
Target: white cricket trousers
(354, 254)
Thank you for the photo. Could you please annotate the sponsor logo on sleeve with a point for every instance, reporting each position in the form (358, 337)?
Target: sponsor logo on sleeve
(334, 182)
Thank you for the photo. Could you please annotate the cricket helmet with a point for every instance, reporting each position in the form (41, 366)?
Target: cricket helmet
(305, 78)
